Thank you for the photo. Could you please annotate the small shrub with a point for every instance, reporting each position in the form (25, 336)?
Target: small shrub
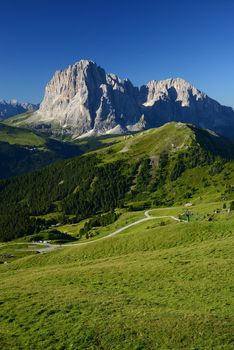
(232, 206)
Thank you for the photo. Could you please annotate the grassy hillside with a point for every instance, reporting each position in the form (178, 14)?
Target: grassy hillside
(151, 287)
(18, 120)
(19, 136)
(22, 150)
(171, 138)
(160, 167)
(161, 284)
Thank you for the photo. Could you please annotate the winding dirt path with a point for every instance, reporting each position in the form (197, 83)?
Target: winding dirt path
(49, 247)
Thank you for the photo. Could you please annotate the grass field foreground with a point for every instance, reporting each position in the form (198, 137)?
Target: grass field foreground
(151, 287)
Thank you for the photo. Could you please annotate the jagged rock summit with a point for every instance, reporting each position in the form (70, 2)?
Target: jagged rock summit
(13, 107)
(84, 100)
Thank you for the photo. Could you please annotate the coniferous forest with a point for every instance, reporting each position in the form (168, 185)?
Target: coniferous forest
(84, 186)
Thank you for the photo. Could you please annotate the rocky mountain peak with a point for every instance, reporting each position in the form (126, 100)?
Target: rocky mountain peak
(84, 99)
(13, 107)
(170, 89)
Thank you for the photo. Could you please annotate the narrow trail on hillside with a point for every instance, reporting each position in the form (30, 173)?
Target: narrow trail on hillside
(49, 247)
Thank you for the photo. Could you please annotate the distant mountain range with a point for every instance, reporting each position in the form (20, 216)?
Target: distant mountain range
(13, 107)
(83, 100)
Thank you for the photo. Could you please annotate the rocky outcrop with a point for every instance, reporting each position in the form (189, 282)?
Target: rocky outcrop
(84, 100)
(177, 100)
(13, 107)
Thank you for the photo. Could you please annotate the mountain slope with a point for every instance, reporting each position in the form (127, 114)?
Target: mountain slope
(158, 167)
(178, 100)
(84, 100)
(13, 107)
(153, 287)
(22, 150)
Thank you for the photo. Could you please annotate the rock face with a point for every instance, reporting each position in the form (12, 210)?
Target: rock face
(13, 107)
(84, 100)
(177, 100)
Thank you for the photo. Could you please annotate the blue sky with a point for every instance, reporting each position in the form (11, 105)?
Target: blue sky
(141, 40)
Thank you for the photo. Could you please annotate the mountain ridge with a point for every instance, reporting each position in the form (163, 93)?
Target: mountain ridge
(158, 167)
(85, 100)
(13, 107)
(23, 150)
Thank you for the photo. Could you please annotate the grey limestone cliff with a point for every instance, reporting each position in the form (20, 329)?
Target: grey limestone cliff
(84, 100)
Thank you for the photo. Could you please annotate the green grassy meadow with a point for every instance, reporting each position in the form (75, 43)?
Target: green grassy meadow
(9, 252)
(159, 285)
(18, 120)
(18, 136)
(150, 287)
(124, 219)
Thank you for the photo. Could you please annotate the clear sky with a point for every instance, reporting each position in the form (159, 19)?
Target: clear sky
(141, 40)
